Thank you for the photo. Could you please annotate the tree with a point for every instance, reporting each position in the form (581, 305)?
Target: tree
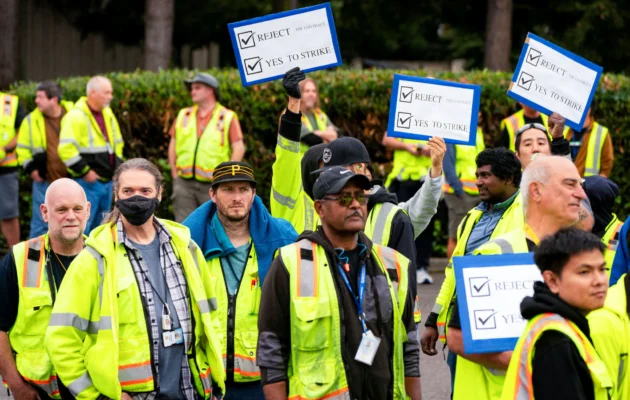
(9, 45)
(498, 35)
(159, 18)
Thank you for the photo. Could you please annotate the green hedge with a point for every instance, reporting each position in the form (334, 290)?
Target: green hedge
(146, 104)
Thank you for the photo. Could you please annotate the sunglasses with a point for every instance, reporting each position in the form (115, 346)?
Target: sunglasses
(525, 127)
(347, 199)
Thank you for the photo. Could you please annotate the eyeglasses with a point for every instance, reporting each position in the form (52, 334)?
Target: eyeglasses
(525, 127)
(347, 199)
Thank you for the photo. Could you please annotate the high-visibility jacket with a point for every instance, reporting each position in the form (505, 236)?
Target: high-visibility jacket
(406, 166)
(321, 119)
(610, 331)
(238, 318)
(611, 241)
(31, 142)
(316, 357)
(511, 219)
(466, 166)
(102, 343)
(34, 309)
(472, 380)
(8, 114)
(197, 156)
(518, 381)
(82, 145)
(594, 149)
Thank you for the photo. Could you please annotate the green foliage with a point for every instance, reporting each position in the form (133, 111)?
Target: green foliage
(357, 101)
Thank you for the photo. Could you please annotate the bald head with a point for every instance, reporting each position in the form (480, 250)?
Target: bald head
(99, 92)
(551, 188)
(66, 210)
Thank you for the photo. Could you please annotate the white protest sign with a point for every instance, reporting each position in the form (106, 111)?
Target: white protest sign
(267, 47)
(421, 108)
(550, 79)
(490, 290)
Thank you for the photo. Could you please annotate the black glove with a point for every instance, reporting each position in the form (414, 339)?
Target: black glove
(291, 82)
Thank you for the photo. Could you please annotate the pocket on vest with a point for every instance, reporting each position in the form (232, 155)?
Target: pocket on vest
(312, 326)
(318, 379)
(35, 365)
(126, 294)
(37, 308)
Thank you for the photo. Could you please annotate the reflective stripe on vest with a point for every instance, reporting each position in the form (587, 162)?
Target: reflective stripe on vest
(379, 223)
(504, 245)
(307, 268)
(594, 150)
(133, 374)
(80, 384)
(34, 262)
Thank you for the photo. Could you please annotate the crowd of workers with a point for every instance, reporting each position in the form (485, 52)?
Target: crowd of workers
(316, 298)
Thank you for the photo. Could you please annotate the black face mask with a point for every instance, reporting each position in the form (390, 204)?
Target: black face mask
(137, 209)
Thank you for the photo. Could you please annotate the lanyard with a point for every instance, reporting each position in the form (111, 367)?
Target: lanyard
(357, 300)
(148, 278)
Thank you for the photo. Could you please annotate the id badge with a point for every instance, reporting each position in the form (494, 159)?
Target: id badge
(167, 324)
(173, 337)
(367, 348)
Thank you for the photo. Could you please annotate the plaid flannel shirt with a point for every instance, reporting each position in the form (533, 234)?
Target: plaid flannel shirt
(178, 288)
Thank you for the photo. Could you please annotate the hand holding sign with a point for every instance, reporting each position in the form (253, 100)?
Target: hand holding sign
(291, 82)
(437, 149)
(556, 125)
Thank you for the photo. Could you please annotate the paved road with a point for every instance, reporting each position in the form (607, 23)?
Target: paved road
(435, 375)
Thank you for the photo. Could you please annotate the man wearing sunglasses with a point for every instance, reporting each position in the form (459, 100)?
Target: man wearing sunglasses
(336, 309)
(512, 124)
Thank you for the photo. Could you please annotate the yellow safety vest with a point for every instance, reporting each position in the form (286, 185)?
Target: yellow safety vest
(32, 135)
(472, 380)
(316, 363)
(594, 149)
(81, 138)
(407, 166)
(610, 331)
(512, 219)
(322, 124)
(198, 156)
(516, 121)
(34, 309)
(518, 381)
(466, 165)
(8, 114)
(611, 241)
(101, 345)
(244, 333)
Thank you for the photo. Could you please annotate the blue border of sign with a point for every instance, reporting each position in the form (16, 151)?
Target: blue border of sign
(392, 132)
(588, 64)
(237, 52)
(459, 263)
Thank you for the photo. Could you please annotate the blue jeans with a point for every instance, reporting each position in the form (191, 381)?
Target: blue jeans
(451, 360)
(244, 391)
(100, 195)
(38, 226)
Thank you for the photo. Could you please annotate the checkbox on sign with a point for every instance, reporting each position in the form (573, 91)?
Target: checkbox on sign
(533, 57)
(253, 65)
(246, 40)
(484, 319)
(406, 94)
(525, 80)
(479, 286)
(403, 120)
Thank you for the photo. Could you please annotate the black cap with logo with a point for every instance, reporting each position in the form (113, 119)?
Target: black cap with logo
(334, 179)
(233, 171)
(344, 151)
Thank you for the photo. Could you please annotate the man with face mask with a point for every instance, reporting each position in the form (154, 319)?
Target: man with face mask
(238, 238)
(30, 276)
(91, 146)
(336, 316)
(143, 324)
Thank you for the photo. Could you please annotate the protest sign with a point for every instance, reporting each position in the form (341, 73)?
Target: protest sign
(267, 47)
(550, 79)
(420, 108)
(489, 294)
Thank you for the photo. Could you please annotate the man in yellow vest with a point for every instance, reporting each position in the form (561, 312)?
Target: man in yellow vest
(37, 145)
(510, 125)
(461, 193)
(144, 324)
(202, 137)
(534, 138)
(238, 238)
(336, 315)
(610, 331)
(551, 193)
(91, 146)
(592, 148)
(316, 126)
(11, 115)
(554, 357)
(498, 177)
(30, 276)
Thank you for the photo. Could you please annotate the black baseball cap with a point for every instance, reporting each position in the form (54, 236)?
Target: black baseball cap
(344, 151)
(233, 171)
(334, 179)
